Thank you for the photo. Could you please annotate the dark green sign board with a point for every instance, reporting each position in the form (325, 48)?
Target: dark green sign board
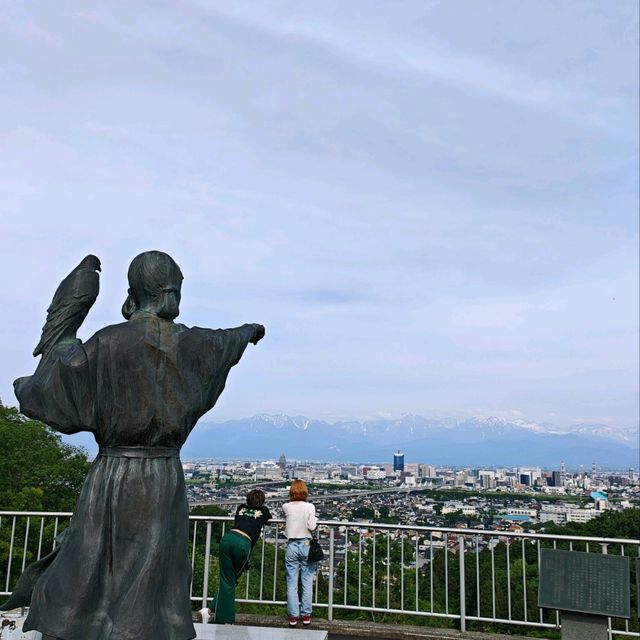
(584, 582)
(638, 585)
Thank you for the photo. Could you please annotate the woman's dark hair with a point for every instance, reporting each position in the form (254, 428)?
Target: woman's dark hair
(154, 281)
(255, 498)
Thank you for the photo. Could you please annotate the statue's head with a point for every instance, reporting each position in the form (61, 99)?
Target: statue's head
(154, 286)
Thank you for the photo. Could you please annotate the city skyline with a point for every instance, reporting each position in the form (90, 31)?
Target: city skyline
(429, 215)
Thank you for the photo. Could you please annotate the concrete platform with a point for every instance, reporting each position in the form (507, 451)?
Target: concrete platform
(13, 631)
(256, 627)
(367, 630)
(241, 632)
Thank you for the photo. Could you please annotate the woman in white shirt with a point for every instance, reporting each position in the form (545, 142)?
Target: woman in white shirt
(300, 522)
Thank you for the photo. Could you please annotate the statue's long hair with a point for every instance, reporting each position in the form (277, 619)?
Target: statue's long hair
(154, 281)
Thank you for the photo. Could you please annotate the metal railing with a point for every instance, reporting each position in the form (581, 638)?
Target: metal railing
(458, 576)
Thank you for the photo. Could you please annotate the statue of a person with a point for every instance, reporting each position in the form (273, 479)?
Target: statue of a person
(122, 571)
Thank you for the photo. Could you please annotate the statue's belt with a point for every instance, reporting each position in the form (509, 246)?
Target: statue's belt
(139, 452)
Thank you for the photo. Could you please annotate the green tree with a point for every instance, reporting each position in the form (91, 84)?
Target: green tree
(611, 524)
(363, 513)
(38, 472)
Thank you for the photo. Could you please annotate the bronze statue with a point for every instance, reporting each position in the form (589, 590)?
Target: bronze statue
(122, 571)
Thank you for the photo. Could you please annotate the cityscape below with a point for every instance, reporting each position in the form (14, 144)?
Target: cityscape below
(401, 492)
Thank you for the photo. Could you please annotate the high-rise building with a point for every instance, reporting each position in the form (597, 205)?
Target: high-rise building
(487, 481)
(398, 461)
(282, 462)
(533, 473)
(557, 480)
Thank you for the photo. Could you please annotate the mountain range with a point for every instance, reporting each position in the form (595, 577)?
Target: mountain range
(472, 441)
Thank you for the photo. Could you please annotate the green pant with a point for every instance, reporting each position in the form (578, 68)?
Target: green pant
(234, 557)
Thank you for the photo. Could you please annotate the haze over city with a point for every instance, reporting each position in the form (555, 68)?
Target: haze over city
(429, 215)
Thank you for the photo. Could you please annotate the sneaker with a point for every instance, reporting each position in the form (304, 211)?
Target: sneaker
(293, 621)
(306, 620)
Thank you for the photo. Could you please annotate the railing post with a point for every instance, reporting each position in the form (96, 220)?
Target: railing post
(463, 621)
(13, 533)
(330, 596)
(205, 578)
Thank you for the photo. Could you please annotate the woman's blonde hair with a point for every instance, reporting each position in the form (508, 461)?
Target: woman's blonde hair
(298, 491)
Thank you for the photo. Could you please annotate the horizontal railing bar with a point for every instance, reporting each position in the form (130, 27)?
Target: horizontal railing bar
(278, 602)
(465, 532)
(478, 532)
(411, 612)
(522, 623)
(383, 526)
(44, 514)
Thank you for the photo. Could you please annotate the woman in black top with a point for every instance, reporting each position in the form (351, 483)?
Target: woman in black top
(235, 549)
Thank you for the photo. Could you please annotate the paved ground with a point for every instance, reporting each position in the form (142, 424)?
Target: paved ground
(359, 629)
(241, 632)
(254, 627)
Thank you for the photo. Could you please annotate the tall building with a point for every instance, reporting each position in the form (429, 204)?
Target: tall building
(398, 461)
(529, 475)
(282, 462)
(525, 479)
(487, 482)
(557, 479)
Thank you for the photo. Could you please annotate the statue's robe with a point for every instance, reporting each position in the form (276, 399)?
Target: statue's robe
(123, 572)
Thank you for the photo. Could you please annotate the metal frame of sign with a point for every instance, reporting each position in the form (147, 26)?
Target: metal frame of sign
(584, 582)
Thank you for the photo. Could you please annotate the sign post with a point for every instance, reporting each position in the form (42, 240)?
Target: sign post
(587, 588)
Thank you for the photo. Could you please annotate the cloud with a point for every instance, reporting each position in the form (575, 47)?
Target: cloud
(429, 214)
(398, 55)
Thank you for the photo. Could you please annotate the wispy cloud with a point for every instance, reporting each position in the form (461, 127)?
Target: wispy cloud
(16, 19)
(396, 55)
(416, 205)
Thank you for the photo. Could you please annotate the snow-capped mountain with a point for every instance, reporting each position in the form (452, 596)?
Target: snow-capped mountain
(280, 420)
(470, 441)
(628, 434)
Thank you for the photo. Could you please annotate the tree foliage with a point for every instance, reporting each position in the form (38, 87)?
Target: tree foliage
(611, 524)
(38, 472)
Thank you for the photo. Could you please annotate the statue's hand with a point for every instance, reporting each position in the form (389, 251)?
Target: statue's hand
(258, 335)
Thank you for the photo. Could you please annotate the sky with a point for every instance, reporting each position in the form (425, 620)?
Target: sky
(431, 206)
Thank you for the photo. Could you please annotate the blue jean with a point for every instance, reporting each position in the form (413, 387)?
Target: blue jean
(295, 561)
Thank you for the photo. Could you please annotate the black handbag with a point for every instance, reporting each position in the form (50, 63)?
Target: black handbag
(315, 550)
